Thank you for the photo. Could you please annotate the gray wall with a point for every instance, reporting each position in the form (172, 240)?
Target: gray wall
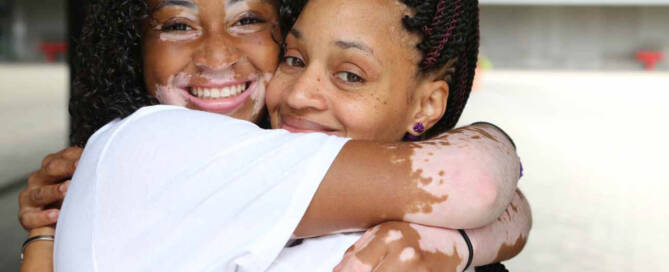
(561, 37)
(43, 20)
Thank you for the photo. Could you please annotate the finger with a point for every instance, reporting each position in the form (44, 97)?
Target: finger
(49, 158)
(72, 153)
(351, 263)
(54, 171)
(36, 219)
(44, 195)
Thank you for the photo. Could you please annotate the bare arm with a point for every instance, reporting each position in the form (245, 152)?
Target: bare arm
(400, 246)
(38, 255)
(463, 178)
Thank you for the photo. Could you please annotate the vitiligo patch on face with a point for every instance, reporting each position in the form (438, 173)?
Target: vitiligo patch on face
(172, 92)
(173, 37)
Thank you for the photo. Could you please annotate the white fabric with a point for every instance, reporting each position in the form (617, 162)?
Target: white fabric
(169, 189)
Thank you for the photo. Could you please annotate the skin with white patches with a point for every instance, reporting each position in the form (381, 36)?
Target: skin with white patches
(437, 176)
(407, 254)
(498, 241)
(393, 235)
(172, 93)
(506, 237)
(197, 41)
(178, 37)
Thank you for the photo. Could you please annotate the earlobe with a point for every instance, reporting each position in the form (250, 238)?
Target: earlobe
(431, 106)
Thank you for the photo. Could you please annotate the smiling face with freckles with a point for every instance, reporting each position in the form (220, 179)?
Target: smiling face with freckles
(211, 55)
(350, 69)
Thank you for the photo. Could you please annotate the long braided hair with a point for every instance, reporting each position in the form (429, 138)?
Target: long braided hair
(450, 31)
(450, 36)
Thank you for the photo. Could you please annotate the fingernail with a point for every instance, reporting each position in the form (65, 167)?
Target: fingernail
(63, 187)
(53, 215)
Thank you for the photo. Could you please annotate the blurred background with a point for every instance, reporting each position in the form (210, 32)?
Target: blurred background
(581, 86)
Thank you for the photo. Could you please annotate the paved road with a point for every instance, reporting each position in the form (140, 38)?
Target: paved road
(593, 145)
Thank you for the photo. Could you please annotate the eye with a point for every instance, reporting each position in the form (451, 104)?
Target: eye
(293, 61)
(176, 27)
(249, 20)
(350, 77)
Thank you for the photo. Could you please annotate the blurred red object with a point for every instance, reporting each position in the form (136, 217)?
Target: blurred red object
(52, 49)
(649, 58)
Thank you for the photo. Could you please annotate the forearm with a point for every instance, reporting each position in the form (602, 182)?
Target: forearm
(462, 179)
(441, 248)
(38, 255)
(505, 237)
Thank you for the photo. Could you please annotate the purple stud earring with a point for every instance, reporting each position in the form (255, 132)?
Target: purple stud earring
(418, 128)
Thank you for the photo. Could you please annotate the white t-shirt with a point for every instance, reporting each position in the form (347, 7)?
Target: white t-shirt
(170, 189)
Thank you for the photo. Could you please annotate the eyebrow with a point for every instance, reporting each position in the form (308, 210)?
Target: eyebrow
(232, 2)
(356, 45)
(183, 3)
(296, 33)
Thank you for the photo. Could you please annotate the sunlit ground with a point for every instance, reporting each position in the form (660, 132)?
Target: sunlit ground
(593, 147)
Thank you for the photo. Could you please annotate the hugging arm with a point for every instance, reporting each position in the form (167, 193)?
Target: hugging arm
(461, 179)
(400, 246)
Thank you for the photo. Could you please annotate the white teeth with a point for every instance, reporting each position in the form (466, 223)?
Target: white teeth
(213, 93)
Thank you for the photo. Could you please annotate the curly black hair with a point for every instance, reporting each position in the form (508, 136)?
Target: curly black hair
(450, 36)
(108, 82)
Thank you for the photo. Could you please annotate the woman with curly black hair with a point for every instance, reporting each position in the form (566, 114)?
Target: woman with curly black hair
(199, 81)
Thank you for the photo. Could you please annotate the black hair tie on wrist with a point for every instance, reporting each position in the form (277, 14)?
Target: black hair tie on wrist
(469, 247)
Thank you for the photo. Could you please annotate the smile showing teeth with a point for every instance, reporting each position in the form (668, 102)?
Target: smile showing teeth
(214, 93)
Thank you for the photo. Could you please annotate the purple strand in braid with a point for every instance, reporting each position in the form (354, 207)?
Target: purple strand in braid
(433, 56)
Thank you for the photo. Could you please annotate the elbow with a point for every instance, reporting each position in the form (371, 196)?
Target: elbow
(487, 202)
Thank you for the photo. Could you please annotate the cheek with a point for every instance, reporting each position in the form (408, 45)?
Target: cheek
(275, 89)
(262, 51)
(163, 60)
(370, 119)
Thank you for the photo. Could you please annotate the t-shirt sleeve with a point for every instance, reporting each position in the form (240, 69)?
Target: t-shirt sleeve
(183, 190)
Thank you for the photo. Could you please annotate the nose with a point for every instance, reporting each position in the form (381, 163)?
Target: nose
(216, 52)
(307, 93)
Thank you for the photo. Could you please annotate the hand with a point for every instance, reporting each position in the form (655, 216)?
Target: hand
(399, 246)
(39, 202)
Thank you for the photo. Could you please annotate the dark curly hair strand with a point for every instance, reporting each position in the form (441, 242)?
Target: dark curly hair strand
(108, 81)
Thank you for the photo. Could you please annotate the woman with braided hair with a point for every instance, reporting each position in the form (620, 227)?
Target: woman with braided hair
(379, 76)
(388, 133)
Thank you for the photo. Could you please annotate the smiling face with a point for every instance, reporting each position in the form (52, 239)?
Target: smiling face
(350, 69)
(211, 55)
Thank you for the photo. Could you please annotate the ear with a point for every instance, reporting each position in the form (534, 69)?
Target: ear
(429, 104)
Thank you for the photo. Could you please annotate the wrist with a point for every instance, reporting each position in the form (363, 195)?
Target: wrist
(42, 231)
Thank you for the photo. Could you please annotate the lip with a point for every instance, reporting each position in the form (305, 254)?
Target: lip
(299, 125)
(221, 105)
